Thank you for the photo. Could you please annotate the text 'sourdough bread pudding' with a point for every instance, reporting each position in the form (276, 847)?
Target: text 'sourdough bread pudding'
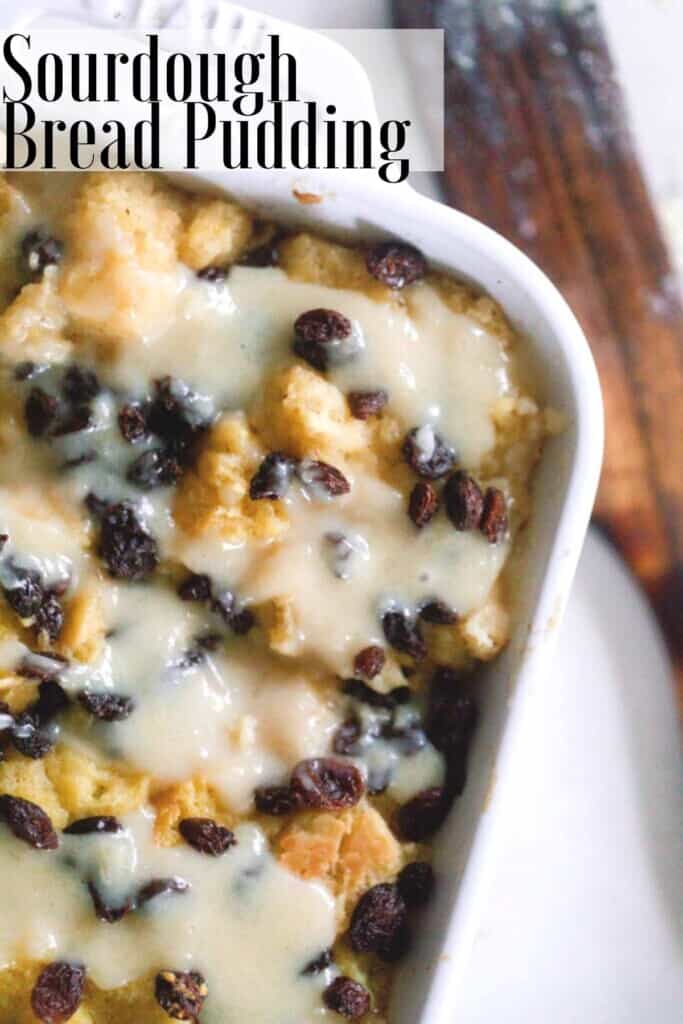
(257, 491)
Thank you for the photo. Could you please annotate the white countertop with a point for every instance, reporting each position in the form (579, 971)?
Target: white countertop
(645, 37)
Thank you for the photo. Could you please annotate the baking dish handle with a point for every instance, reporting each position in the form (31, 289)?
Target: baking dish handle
(221, 25)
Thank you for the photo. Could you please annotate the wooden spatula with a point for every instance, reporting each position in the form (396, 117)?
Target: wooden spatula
(538, 147)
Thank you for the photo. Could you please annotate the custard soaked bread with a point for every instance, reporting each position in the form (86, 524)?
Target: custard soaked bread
(257, 495)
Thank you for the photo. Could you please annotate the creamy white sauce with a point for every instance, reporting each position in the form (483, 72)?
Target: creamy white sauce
(248, 925)
(38, 541)
(238, 718)
(438, 366)
(339, 611)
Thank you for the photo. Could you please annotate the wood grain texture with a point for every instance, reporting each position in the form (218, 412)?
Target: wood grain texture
(537, 146)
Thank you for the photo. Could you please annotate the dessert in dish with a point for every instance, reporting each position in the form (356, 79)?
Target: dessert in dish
(258, 492)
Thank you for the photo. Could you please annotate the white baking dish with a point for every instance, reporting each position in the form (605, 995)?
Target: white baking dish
(356, 205)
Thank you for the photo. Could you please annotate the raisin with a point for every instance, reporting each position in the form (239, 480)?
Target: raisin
(40, 412)
(347, 997)
(105, 912)
(365, 694)
(28, 738)
(494, 517)
(156, 467)
(396, 264)
(26, 595)
(322, 326)
(452, 716)
(206, 836)
(242, 621)
(416, 883)
(25, 370)
(272, 478)
(213, 274)
(167, 413)
(52, 699)
(324, 338)
(28, 822)
(378, 918)
(326, 784)
(128, 550)
(49, 618)
(58, 992)
(370, 661)
(427, 453)
(132, 422)
(40, 249)
(423, 504)
(209, 641)
(438, 613)
(161, 887)
(98, 824)
(276, 800)
(171, 417)
(364, 404)
(80, 385)
(464, 501)
(456, 773)
(267, 255)
(451, 723)
(398, 947)
(195, 587)
(421, 817)
(106, 706)
(403, 634)
(322, 478)
(74, 420)
(319, 963)
(181, 993)
(98, 507)
(346, 737)
(400, 695)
